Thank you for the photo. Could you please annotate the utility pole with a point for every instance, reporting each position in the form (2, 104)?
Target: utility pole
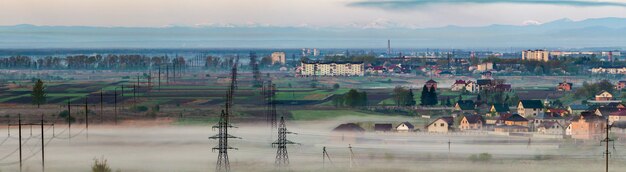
(86, 119)
(101, 112)
(324, 156)
(351, 155)
(607, 140)
(159, 77)
(20, 124)
(282, 157)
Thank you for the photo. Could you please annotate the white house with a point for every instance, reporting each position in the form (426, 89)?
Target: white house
(405, 127)
(472, 87)
(441, 125)
(552, 128)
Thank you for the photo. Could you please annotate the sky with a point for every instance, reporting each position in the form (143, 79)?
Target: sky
(302, 13)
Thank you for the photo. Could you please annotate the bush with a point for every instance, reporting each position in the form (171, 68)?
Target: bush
(336, 86)
(482, 157)
(100, 166)
(156, 108)
(139, 108)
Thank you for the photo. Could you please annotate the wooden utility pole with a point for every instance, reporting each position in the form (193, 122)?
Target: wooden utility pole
(19, 125)
(607, 140)
(159, 77)
(101, 103)
(351, 155)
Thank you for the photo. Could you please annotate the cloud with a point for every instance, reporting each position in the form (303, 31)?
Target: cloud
(408, 4)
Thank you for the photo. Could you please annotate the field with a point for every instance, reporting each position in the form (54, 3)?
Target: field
(165, 128)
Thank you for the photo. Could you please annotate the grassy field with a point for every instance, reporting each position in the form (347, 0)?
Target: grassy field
(328, 114)
(308, 95)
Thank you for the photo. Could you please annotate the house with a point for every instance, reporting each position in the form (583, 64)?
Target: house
(552, 128)
(564, 86)
(405, 127)
(605, 111)
(349, 127)
(587, 126)
(577, 108)
(547, 117)
(441, 125)
(561, 112)
(530, 108)
(619, 105)
(604, 96)
(513, 119)
(375, 70)
(620, 85)
(484, 84)
(471, 122)
(458, 85)
(486, 75)
(431, 84)
(510, 129)
(347, 133)
(617, 116)
(465, 106)
(472, 87)
(503, 87)
(498, 109)
(382, 127)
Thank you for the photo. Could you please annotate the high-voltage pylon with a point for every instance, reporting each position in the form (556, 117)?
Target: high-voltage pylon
(270, 93)
(282, 158)
(223, 164)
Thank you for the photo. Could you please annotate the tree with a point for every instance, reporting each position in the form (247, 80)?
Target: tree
(336, 86)
(424, 98)
(410, 100)
(338, 101)
(400, 95)
(354, 98)
(432, 96)
(39, 93)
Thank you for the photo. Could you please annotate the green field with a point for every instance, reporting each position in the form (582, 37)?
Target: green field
(326, 114)
(308, 95)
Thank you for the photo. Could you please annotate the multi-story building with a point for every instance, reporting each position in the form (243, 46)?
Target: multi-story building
(536, 55)
(278, 57)
(332, 68)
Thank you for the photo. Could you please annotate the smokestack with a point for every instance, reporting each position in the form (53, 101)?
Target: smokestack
(388, 47)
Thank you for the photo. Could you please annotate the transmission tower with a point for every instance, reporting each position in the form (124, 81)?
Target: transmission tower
(282, 158)
(270, 93)
(223, 164)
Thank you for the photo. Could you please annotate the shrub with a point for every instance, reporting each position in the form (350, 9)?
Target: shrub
(482, 157)
(100, 165)
(336, 86)
(139, 108)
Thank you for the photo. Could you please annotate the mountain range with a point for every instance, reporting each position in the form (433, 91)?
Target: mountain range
(563, 33)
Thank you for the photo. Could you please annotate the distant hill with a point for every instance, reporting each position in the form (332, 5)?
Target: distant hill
(563, 33)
